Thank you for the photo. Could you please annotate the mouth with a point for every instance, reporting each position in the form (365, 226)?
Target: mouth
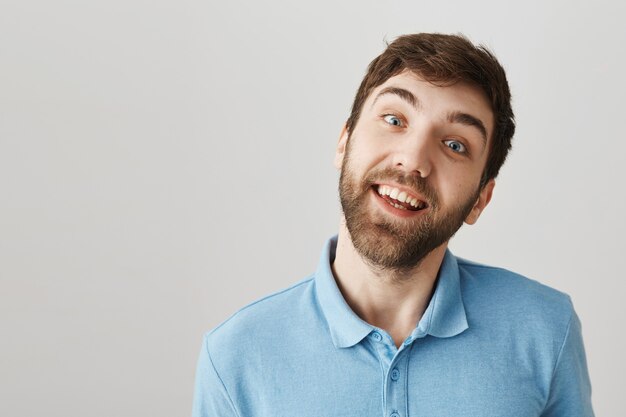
(399, 199)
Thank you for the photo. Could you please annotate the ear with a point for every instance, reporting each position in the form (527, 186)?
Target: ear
(481, 202)
(340, 152)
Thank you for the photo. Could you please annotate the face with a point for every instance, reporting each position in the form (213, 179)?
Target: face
(411, 168)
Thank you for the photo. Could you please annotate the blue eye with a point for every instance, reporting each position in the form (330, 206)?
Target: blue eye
(455, 145)
(392, 120)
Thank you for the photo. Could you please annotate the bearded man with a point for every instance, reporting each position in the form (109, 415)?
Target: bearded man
(392, 323)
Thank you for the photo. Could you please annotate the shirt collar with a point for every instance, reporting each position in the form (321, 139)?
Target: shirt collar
(444, 316)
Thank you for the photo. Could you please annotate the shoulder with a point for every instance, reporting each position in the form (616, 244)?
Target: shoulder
(262, 320)
(507, 294)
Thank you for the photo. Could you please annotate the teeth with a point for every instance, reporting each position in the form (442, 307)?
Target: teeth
(401, 196)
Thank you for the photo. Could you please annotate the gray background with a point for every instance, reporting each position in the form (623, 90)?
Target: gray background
(164, 163)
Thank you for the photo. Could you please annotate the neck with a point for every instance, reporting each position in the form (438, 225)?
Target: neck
(393, 300)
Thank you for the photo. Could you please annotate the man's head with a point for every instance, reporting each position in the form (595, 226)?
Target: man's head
(430, 127)
(447, 60)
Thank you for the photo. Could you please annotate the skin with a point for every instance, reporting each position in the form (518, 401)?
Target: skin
(416, 139)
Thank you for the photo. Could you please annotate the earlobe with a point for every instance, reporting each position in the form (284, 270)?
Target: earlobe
(481, 202)
(341, 147)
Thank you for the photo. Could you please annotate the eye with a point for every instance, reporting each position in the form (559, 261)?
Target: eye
(392, 120)
(455, 145)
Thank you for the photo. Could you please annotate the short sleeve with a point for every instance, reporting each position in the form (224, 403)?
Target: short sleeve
(570, 390)
(210, 396)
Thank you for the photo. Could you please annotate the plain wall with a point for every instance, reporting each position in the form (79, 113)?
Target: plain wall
(163, 163)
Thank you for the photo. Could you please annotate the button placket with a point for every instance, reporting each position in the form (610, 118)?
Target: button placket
(395, 398)
(392, 361)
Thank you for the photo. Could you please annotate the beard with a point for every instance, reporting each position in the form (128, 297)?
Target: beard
(387, 244)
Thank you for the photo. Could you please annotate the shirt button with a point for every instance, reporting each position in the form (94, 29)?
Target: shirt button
(394, 414)
(395, 374)
(377, 337)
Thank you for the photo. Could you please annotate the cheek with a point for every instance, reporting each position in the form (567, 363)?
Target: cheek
(364, 154)
(458, 189)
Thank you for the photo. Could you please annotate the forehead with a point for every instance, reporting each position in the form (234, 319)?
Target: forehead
(437, 100)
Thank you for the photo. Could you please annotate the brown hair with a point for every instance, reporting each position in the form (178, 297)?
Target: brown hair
(445, 60)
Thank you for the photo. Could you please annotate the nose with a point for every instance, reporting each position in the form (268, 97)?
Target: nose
(414, 153)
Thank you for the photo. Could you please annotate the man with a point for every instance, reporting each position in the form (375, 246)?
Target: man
(392, 324)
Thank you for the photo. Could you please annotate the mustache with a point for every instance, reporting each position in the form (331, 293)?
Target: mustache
(416, 183)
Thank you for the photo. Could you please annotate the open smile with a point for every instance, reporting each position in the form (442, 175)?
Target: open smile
(399, 201)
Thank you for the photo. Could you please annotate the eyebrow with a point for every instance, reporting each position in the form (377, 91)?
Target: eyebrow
(405, 95)
(469, 120)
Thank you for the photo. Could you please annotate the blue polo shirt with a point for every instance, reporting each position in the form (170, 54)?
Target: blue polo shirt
(491, 343)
